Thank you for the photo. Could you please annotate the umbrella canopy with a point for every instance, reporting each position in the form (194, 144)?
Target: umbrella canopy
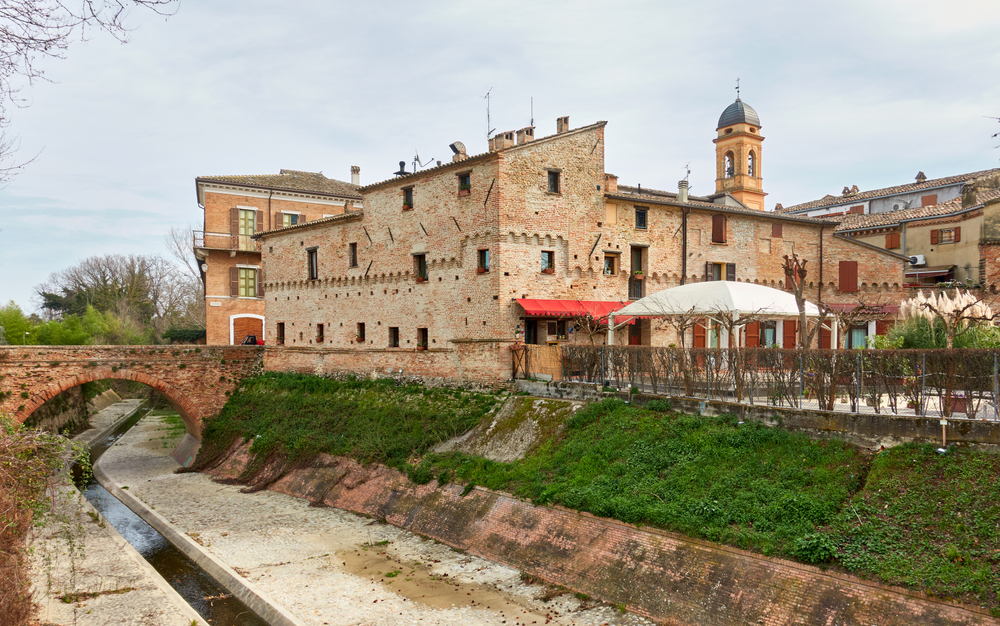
(715, 298)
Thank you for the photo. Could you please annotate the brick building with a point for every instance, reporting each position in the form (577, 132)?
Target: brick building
(238, 207)
(443, 269)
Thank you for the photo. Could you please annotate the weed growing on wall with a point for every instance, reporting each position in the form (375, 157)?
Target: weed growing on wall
(293, 417)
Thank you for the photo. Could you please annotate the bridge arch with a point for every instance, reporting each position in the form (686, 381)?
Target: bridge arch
(190, 413)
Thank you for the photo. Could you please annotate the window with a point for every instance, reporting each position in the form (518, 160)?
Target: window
(848, 276)
(394, 336)
(718, 229)
(319, 333)
(610, 264)
(352, 254)
(720, 271)
(243, 282)
(640, 219)
(776, 229)
(548, 262)
(891, 241)
(312, 255)
(946, 235)
(407, 198)
(730, 165)
(289, 219)
(360, 336)
(280, 334)
(751, 162)
(464, 184)
(857, 337)
(420, 267)
(245, 223)
(484, 261)
(422, 338)
(713, 335)
(769, 336)
(554, 186)
(930, 200)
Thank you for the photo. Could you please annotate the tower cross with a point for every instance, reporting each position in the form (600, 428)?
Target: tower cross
(737, 87)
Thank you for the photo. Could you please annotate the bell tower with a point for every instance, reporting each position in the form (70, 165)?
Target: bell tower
(738, 155)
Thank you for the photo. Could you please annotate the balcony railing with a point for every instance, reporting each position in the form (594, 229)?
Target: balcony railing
(635, 289)
(225, 241)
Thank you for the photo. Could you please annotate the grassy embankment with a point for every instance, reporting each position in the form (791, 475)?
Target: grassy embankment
(906, 516)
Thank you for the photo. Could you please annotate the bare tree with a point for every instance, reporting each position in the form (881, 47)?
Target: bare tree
(34, 30)
(795, 276)
(179, 243)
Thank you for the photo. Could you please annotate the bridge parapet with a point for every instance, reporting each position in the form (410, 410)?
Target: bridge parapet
(196, 379)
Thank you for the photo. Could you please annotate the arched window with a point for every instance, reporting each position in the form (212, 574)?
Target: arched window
(730, 165)
(751, 163)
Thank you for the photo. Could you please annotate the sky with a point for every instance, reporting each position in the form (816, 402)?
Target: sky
(858, 92)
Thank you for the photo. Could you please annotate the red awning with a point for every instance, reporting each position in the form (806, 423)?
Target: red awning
(929, 272)
(597, 309)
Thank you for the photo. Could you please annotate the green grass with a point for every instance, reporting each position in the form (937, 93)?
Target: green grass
(746, 485)
(296, 416)
(927, 521)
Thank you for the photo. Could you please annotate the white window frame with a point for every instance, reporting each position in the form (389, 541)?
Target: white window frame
(232, 326)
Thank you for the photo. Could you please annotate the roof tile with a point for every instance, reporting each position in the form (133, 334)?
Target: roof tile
(290, 180)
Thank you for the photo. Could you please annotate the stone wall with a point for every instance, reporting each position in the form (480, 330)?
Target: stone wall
(668, 577)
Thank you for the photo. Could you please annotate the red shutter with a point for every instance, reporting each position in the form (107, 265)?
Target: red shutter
(882, 327)
(788, 340)
(731, 272)
(753, 335)
(260, 283)
(892, 241)
(825, 338)
(699, 335)
(928, 200)
(958, 234)
(848, 276)
(259, 225)
(718, 229)
(934, 236)
(857, 210)
(775, 229)
(234, 281)
(279, 219)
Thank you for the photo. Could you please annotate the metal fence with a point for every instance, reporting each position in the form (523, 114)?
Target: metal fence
(948, 383)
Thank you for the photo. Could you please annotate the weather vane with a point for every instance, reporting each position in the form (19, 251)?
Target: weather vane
(737, 87)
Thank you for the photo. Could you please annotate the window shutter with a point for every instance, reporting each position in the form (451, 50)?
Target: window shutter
(731, 272)
(234, 227)
(260, 284)
(718, 229)
(259, 225)
(888, 241)
(776, 229)
(928, 200)
(848, 276)
(279, 219)
(934, 236)
(857, 210)
(708, 271)
(788, 339)
(699, 335)
(753, 335)
(882, 327)
(234, 281)
(958, 234)
(825, 338)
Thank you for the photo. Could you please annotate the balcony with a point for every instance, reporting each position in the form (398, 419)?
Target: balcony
(636, 290)
(225, 241)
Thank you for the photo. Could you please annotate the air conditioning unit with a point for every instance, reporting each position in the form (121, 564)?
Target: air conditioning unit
(917, 260)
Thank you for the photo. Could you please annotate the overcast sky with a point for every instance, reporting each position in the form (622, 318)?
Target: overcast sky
(849, 93)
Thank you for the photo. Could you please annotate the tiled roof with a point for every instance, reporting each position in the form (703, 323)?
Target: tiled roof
(829, 200)
(343, 217)
(889, 218)
(290, 180)
(653, 196)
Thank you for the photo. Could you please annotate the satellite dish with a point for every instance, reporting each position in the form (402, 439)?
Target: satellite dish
(204, 268)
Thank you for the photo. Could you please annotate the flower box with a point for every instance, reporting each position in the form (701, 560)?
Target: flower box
(638, 276)
(359, 339)
(482, 270)
(421, 347)
(421, 279)
(407, 207)
(548, 271)
(464, 192)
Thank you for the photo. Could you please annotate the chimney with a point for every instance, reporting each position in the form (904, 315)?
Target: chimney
(458, 148)
(921, 177)
(610, 183)
(682, 191)
(505, 139)
(525, 135)
(562, 124)
(355, 175)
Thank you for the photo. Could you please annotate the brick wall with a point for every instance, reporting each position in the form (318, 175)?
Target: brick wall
(668, 577)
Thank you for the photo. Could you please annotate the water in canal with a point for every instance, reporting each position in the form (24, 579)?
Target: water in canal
(210, 599)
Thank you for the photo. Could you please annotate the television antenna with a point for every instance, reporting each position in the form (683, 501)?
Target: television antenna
(687, 170)
(489, 131)
(418, 162)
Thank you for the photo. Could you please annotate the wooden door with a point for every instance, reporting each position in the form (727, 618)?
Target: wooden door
(244, 326)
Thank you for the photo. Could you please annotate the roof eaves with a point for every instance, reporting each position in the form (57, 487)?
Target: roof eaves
(200, 180)
(720, 208)
(343, 217)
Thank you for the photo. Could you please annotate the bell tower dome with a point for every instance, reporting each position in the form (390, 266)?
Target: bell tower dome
(738, 155)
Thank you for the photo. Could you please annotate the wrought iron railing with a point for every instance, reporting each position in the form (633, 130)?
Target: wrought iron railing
(225, 241)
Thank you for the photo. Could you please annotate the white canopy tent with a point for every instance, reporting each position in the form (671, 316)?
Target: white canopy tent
(714, 299)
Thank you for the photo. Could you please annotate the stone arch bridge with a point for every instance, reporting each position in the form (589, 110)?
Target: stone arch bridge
(196, 379)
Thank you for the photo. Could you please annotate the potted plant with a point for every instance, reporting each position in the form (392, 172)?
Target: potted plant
(407, 206)
(638, 275)
(549, 270)
(421, 346)
(482, 270)
(421, 279)
(359, 339)
(464, 190)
